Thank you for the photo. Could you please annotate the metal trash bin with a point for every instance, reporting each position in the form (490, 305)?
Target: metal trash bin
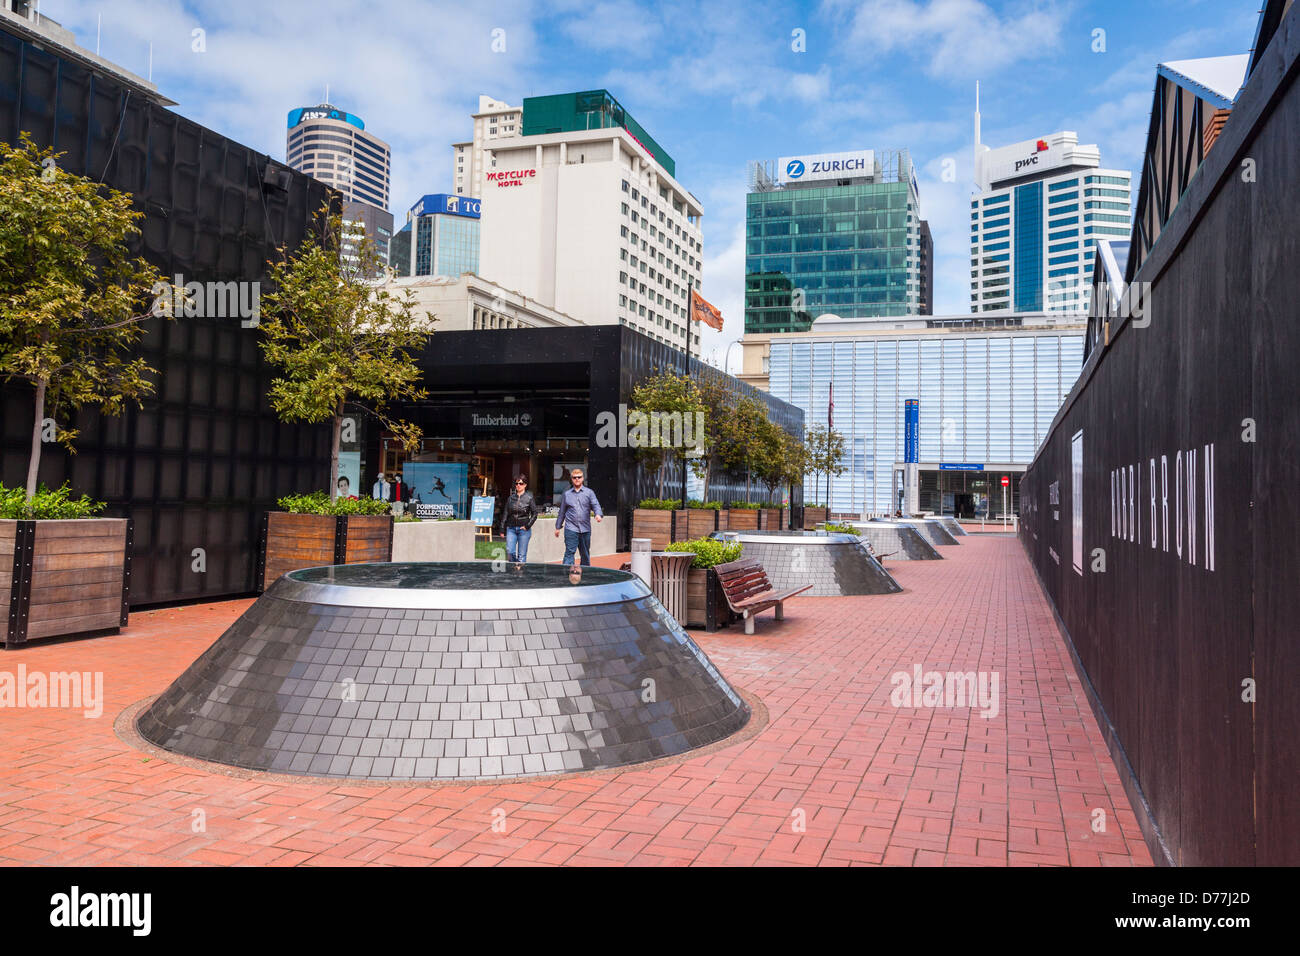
(668, 580)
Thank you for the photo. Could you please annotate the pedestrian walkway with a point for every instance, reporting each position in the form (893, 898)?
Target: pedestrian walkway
(838, 775)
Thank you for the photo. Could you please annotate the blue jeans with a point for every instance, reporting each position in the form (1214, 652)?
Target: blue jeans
(579, 541)
(517, 543)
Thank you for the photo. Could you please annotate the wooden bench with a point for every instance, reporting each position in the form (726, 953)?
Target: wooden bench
(748, 590)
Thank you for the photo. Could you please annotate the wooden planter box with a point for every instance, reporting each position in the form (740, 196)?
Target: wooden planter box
(696, 523)
(706, 605)
(62, 577)
(292, 542)
(742, 519)
(812, 517)
(652, 524)
(773, 519)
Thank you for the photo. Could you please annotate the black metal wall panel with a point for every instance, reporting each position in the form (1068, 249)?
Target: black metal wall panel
(205, 455)
(1191, 437)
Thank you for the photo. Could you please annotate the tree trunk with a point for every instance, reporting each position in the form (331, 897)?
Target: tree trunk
(334, 453)
(661, 479)
(34, 459)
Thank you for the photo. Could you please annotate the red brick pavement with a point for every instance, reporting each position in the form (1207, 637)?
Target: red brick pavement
(838, 777)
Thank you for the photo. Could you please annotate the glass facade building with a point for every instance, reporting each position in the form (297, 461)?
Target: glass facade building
(851, 248)
(987, 398)
(440, 238)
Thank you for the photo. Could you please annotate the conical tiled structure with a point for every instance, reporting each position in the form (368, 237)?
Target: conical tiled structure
(447, 672)
(895, 541)
(835, 564)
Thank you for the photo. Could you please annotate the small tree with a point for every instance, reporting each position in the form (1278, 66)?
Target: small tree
(670, 402)
(825, 455)
(340, 338)
(72, 299)
(740, 431)
(781, 457)
(719, 400)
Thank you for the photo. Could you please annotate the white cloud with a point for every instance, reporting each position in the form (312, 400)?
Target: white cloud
(957, 39)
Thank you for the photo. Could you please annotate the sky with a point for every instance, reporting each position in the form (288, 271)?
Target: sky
(716, 83)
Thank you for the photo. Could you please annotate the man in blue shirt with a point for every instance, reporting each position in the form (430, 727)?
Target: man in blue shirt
(576, 505)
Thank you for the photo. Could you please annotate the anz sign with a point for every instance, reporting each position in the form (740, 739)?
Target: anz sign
(799, 169)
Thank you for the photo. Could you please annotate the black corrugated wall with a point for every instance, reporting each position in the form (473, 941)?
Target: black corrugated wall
(1191, 496)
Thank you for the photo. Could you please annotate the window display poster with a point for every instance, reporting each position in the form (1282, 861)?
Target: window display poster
(439, 489)
(560, 478)
(349, 483)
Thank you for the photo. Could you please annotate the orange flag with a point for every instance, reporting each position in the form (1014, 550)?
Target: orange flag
(703, 311)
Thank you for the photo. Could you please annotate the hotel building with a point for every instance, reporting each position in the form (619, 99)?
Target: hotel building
(494, 120)
(586, 216)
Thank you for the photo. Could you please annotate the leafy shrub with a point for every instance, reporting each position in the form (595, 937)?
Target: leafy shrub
(318, 503)
(709, 552)
(46, 505)
(661, 504)
(842, 528)
(405, 518)
(695, 504)
(746, 505)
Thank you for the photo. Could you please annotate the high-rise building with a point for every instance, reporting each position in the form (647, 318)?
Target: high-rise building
(495, 119)
(927, 269)
(440, 237)
(835, 233)
(1039, 208)
(334, 147)
(585, 215)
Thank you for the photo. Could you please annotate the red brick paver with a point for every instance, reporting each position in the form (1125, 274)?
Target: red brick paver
(839, 776)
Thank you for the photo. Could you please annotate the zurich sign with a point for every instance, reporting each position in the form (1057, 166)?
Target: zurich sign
(795, 168)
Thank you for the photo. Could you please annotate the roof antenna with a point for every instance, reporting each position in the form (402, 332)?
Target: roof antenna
(327, 94)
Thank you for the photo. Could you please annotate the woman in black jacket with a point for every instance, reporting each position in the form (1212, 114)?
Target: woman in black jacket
(521, 512)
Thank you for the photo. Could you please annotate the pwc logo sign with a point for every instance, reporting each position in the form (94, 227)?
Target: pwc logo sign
(1032, 159)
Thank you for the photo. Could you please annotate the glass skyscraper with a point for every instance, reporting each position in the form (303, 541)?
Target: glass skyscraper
(1040, 208)
(833, 233)
(440, 238)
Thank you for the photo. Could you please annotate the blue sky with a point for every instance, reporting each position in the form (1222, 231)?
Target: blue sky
(717, 84)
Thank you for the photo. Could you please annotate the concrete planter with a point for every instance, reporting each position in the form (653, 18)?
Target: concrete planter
(433, 541)
(62, 577)
(290, 542)
(545, 548)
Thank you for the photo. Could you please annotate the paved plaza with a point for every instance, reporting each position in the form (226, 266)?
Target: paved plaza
(834, 774)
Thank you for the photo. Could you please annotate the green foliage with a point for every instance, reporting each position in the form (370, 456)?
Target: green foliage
(72, 299)
(695, 504)
(661, 504)
(665, 398)
(825, 452)
(404, 518)
(842, 528)
(339, 338)
(319, 503)
(46, 504)
(709, 552)
(746, 505)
